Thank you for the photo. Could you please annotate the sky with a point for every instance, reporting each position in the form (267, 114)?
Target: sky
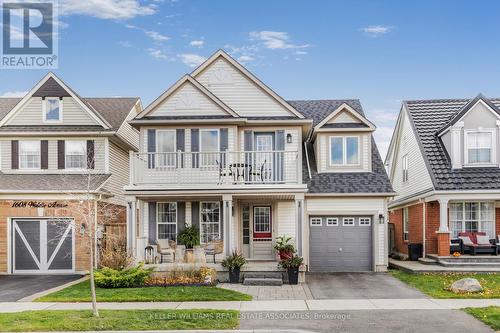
(381, 52)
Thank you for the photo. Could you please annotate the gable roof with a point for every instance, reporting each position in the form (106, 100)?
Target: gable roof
(248, 75)
(318, 110)
(427, 118)
(177, 85)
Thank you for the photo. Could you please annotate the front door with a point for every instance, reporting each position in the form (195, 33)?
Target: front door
(262, 240)
(264, 146)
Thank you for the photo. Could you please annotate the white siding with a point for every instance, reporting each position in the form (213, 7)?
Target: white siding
(344, 117)
(5, 153)
(418, 176)
(323, 153)
(118, 167)
(239, 92)
(286, 219)
(32, 114)
(187, 100)
(127, 132)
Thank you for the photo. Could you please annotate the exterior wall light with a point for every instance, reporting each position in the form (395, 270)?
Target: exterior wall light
(381, 218)
(289, 138)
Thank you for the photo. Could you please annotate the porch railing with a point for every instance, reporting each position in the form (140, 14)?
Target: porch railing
(215, 168)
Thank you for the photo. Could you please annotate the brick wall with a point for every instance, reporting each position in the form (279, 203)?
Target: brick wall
(74, 209)
(414, 227)
(431, 227)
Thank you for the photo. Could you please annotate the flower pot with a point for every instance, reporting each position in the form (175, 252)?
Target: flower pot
(284, 255)
(234, 275)
(293, 275)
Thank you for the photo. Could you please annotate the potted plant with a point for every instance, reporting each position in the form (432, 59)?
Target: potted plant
(284, 247)
(190, 237)
(292, 266)
(234, 263)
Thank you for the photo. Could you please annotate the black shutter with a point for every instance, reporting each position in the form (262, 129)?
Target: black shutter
(195, 147)
(61, 163)
(181, 145)
(181, 216)
(44, 154)
(279, 158)
(151, 148)
(195, 214)
(152, 223)
(14, 144)
(224, 145)
(248, 147)
(90, 154)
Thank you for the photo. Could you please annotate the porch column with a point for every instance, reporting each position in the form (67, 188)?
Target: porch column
(443, 234)
(299, 218)
(227, 209)
(131, 218)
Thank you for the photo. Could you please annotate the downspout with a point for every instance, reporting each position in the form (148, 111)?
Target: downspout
(424, 220)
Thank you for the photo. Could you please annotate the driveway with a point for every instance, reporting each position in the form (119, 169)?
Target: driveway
(359, 286)
(15, 287)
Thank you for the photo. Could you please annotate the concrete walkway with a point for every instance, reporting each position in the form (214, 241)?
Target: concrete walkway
(275, 305)
(418, 267)
(265, 293)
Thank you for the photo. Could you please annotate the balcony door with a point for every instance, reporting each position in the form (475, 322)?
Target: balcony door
(264, 159)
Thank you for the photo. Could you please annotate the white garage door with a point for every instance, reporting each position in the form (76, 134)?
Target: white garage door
(340, 243)
(42, 246)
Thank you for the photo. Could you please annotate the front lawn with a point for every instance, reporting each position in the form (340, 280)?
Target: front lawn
(118, 320)
(81, 293)
(490, 316)
(437, 284)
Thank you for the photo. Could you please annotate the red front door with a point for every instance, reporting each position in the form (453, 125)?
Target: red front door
(262, 222)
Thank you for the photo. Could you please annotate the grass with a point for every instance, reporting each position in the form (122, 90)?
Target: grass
(437, 285)
(490, 316)
(81, 293)
(118, 320)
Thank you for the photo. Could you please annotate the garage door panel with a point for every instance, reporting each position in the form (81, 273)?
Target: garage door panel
(23, 259)
(340, 248)
(30, 232)
(63, 259)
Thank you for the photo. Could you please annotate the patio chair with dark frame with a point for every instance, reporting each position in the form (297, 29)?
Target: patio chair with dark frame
(456, 245)
(476, 246)
(223, 171)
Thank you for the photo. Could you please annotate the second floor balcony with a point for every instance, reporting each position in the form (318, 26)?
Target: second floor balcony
(212, 169)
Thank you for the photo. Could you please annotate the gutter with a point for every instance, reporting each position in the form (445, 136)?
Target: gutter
(307, 160)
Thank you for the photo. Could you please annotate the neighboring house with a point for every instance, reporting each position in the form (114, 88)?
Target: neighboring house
(444, 163)
(56, 149)
(223, 152)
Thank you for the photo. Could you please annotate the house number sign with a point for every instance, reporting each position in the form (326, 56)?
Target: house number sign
(38, 204)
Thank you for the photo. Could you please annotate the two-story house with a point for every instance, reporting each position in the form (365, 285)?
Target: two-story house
(223, 152)
(444, 163)
(57, 152)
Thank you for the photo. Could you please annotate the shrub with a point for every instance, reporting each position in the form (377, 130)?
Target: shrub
(235, 260)
(292, 262)
(125, 278)
(114, 255)
(190, 237)
(203, 275)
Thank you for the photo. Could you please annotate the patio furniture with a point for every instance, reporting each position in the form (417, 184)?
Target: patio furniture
(259, 172)
(149, 255)
(224, 171)
(164, 250)
(214, 247)
(456, 246)
(478, 243)
(239, 170)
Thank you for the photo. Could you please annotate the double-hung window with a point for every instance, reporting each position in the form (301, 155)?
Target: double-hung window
(52, 110)
(479, 147)
(165, 148)
(404, 163)
(209, 221)
(29, 154)
(209, 146)
(344, 150)
(75, 154)
(406, 224)
(472, 217)
(167, 220)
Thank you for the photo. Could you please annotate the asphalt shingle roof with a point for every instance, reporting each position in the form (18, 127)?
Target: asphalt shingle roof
(428, 117)
(51, 182)
(376, 181)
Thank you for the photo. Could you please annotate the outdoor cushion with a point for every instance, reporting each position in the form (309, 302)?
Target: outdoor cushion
(483, 240)
(466, 240)
(472, 235)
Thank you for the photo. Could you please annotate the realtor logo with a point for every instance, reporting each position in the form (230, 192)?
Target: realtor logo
(29, 35)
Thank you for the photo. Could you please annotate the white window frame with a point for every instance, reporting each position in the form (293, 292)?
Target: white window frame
(405, 165)
(202, 159)
(84, 145)
(158, 223)
(348, 221)
(313, 221)
(21, 154)
(45, 109)
(332, 221)
(159, 154)
(480, 221)
(344, 150)
(211, 222)
(492, 132)
(270, 220)
(365, 221)
(406, 223)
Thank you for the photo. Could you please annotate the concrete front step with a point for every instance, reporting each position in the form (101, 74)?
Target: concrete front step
(427, 261)
(262, 282)
(468, 264)
(263, 275)
(467, 259)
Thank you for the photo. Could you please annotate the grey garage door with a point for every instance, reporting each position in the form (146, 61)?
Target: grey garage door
(340, 243)
(42, 246)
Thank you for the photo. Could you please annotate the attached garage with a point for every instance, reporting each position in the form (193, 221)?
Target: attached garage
(42, 246)
(340, 243)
